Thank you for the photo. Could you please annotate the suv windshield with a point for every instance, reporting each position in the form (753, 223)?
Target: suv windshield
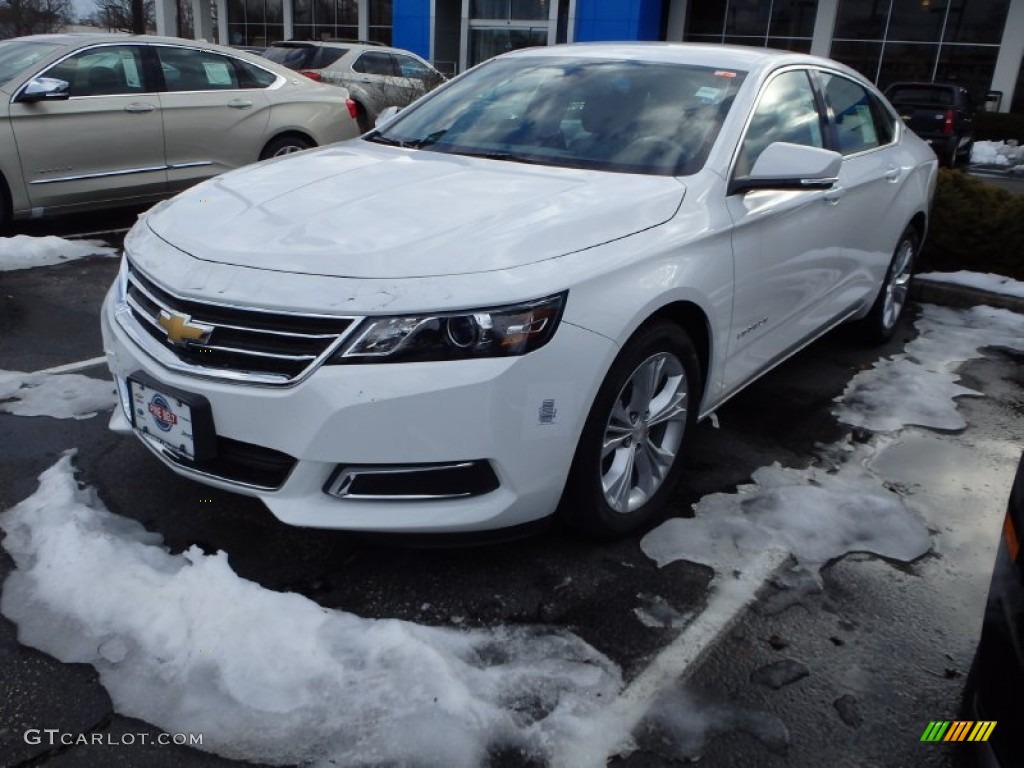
(627, 116)
(16, 55)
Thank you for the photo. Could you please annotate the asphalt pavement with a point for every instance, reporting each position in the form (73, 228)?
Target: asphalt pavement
(867, 661)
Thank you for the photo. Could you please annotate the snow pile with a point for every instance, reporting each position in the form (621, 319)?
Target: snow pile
(63, 396)
(814, 514)
(1005, 286)
(918, 387)
(1006, 153)
(25, 252)
(184, 643)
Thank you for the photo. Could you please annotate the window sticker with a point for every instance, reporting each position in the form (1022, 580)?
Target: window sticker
(131, 71)
(709, 95)
(217, 72)
(724, 73)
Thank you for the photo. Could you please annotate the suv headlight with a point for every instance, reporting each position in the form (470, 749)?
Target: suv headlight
(497, 332)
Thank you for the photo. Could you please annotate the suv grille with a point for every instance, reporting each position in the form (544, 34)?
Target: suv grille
(262, 347)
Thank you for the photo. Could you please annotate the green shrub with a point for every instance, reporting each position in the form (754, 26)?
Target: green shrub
(998, 126)
(974, 226)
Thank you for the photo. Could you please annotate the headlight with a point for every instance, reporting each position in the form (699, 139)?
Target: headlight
(499, 332)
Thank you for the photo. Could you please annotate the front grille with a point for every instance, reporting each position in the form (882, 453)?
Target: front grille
(264, 347)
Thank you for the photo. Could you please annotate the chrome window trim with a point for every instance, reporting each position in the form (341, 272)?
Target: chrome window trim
(75, 52)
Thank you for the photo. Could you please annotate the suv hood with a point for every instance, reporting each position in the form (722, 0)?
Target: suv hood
(367, 211)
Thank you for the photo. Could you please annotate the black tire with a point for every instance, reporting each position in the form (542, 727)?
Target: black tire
(285, 145)
(881, 322)
(362, 119)
(585, 503)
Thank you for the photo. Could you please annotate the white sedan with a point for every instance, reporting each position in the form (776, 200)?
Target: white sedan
(517, 297)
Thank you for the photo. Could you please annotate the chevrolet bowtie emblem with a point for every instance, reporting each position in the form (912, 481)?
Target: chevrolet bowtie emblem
(180, 329)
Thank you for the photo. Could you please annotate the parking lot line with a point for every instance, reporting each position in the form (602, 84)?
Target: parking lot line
(72, 367)
(97, 233)
(608, 733)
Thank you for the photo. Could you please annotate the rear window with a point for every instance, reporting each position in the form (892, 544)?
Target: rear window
(16, 56)
(934, 97)
(291, 56)
(327, 56)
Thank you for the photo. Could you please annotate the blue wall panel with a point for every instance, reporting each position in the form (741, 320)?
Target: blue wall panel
(618, 19)
(411, 20)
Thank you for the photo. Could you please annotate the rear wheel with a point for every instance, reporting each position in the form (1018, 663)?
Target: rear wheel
(285, 145)
(880, 323)
(628, 459)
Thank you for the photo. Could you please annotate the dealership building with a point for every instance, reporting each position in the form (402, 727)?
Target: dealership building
(977, 43)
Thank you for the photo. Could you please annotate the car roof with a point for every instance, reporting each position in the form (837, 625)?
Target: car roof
(77, 39)
(739, 57)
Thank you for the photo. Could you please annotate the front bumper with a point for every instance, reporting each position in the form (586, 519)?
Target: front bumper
(496, 410)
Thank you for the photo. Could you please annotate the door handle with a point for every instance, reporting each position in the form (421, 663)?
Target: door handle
(240, 104)
(138, 107)
(892, 175)
(834, 195)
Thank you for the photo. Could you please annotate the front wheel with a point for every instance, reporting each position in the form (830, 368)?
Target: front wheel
(880, 323)
(628, 459)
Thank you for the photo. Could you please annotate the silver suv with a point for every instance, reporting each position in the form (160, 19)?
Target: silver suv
(376, 76)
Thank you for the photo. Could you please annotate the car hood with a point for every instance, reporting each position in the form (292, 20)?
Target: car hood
(366, 211)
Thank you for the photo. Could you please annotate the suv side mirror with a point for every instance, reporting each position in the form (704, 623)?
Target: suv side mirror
(45, 89)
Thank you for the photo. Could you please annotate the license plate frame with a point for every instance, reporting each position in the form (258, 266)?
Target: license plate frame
(181, 422)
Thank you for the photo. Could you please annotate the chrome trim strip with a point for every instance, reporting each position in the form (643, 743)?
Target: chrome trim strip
(254, 353)
(124, 313)
(196, 164)
(345, 479)
(102, 175)
(288, 334)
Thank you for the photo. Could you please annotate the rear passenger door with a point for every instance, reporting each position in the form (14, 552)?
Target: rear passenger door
(216, 112)
(378, 74)
(864, 132)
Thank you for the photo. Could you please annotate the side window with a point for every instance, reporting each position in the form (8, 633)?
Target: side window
(856, 127)
(107, 71)
(251, 76)
(374, 63)
(885, 123)
(786, 111)
(326, 56)
(186, 69)
(409, 67)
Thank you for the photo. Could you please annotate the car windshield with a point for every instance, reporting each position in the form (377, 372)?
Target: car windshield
(16, 55)
(627, 116)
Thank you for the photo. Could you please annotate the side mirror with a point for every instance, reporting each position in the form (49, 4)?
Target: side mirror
(790, 166)
(385, 114)
(45, 89)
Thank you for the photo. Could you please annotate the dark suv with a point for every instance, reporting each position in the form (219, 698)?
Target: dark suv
(940, 113)
(376, 76)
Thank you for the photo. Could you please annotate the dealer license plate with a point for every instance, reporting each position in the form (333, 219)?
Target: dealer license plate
(163, 417)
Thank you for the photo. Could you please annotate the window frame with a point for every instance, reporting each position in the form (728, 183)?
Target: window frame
(149, 84)
(876, 103)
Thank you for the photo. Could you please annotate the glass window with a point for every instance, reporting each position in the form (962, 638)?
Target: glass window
(971, 66)
(302, 13)
(380, 13)
(486, 43)
(793, 18)
(18, 55)
(854, 117)
(327, 55)
(917, 20)
(251, 76)
(858, 20)
(705, 17)
(906, 61)
(526, 10)
(885, 123)
(410, 67)
(375, 63)
(626, 116)
(380, 35)
(107, 71)
(347, 13)
(977, 21)
(786, 111)
(795, 44)
(746, 17)
(291, 56)
(186, 69)
(864, 57)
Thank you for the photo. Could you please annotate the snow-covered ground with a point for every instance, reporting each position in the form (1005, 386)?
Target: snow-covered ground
(1007, 154)
(25, 252)
(59, 396)
(982, 281)
(183, 642)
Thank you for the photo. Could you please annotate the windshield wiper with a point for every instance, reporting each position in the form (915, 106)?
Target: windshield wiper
(504, 156)
(378, 139)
